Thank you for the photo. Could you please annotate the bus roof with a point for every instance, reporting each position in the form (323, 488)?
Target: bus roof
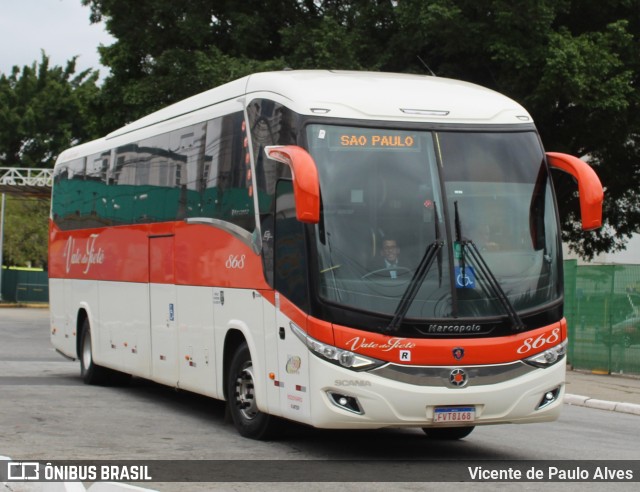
(343, 94)
(390, 96)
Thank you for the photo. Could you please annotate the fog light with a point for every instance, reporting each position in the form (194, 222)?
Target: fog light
(348, 403)
(548, 398)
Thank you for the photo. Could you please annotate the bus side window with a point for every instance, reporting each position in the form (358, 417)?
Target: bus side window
(72, 204)
(289, 248)
(227, 193)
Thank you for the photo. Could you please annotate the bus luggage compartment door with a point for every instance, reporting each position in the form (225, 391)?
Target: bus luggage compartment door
(162, 304)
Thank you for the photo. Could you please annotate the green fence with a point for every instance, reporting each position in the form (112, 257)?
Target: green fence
(24, 285)
(602, 307)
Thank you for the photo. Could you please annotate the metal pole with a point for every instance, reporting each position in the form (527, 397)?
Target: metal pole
(1, 241)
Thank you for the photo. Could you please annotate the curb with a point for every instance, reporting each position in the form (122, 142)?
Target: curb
(587, 401)
(32, 305)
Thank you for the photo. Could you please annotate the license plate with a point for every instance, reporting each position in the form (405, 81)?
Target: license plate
(454, 414)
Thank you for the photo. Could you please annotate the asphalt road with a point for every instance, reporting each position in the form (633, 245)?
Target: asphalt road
(47, 413)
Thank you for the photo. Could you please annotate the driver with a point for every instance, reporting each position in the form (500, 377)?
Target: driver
(388, 263)
(390, 253)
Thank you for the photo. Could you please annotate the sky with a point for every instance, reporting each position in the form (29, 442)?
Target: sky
(59, 27)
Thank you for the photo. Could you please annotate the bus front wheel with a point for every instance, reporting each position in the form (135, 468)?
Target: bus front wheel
(248, 420)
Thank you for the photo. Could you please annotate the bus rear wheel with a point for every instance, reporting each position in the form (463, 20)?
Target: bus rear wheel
(447, 433)
(92, 373)
(247, 418)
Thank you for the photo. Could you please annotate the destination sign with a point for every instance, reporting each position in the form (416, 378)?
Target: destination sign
(374, 140)
(351, 140)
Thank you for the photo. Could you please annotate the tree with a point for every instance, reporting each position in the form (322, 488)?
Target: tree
(574, 64)
(166, 51)
(26, 231)
(44, 110)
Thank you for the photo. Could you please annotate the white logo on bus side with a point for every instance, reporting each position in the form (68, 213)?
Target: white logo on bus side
(393, 343)
(91, 256)
(235, 262)
(536, 343)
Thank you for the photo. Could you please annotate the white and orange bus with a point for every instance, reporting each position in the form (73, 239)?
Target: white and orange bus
(340, 249)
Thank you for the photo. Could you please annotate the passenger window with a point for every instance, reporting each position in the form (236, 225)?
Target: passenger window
(228, 190)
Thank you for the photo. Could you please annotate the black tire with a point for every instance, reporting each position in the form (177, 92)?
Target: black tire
(248, 420)
(92, 373)
(447, 433)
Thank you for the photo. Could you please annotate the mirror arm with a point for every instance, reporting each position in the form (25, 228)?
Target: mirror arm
(306, 184)
(589, 187)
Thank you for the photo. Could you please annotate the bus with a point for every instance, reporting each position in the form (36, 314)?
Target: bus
(346, 250)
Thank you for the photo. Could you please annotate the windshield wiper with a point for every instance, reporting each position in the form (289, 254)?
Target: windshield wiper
(431, 253)
(486, 272)
(414, 286)
(518, 325)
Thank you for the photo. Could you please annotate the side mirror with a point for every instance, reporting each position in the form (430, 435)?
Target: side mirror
(589, 187)
(306, 184)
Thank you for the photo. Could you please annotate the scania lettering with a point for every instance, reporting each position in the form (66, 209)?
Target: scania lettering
(235, 244)
(339, 382)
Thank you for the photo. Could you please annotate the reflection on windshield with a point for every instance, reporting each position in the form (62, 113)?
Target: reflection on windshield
(381, 189)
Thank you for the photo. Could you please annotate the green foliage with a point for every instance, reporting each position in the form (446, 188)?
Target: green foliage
(167, 50)
(25, 231)
(44, 110)
(574, 65)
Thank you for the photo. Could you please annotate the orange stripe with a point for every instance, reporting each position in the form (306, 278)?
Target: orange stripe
(426, 351)
(430, 351)
(203, 255)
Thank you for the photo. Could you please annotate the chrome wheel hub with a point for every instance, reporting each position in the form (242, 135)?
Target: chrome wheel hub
(244, 394)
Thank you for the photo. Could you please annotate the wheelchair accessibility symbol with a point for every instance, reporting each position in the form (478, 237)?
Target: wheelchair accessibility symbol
(466, 280)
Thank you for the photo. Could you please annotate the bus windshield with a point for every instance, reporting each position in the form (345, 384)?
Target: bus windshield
(477, 205)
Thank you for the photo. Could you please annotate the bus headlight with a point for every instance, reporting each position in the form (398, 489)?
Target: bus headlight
(335, 355)
(548, 357)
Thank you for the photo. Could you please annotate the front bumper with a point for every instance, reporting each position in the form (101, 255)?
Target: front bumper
(406, 396)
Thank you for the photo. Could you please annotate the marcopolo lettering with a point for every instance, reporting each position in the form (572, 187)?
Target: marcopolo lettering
(473, 328)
